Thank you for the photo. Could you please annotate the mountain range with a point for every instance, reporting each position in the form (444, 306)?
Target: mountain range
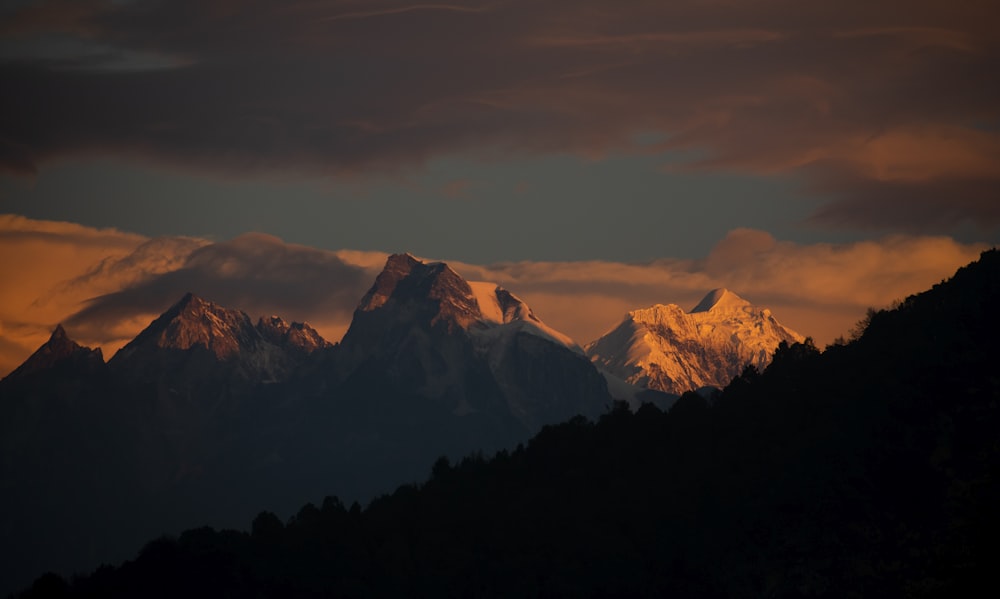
(207, 417)
(870, 468)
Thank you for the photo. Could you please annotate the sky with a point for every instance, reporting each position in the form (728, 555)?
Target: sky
(591, 156)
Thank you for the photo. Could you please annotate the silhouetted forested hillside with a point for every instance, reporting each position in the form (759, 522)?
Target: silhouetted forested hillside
(868, 470)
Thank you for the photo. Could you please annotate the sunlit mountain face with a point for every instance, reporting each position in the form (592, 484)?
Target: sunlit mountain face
(668, 349)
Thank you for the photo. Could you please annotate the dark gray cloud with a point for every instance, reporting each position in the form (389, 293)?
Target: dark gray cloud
(341, 86)
(951, 204)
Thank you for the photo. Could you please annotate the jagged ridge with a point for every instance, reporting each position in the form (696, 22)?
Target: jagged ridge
(196, 336)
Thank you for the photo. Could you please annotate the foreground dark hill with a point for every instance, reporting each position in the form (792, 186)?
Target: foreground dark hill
(868, 470)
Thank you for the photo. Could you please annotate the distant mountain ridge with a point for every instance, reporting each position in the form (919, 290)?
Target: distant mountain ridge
(663, 347)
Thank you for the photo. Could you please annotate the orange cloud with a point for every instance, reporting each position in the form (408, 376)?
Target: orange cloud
(918, 154)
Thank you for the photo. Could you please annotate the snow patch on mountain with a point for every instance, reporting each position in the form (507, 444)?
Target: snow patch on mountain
(485, 294)
(509, 314)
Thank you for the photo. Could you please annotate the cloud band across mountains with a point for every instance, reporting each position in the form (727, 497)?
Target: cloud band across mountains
(106, 285)
(876, 106)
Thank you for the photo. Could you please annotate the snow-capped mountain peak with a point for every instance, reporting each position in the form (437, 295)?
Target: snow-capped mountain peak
(719, 300)
(663, 347)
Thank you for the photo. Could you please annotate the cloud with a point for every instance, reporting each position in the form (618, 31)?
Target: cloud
(457, 190)
(947, 204)
(883, 99)
(403, 9)
(106, 285)
(59, 16)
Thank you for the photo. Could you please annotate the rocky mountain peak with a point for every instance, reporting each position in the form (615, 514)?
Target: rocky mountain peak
(58, 335)
(194, 322)
(273, 325)
(57, 351)
(431, 289)
(397, 267)
(296, 336)
(196, 339)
